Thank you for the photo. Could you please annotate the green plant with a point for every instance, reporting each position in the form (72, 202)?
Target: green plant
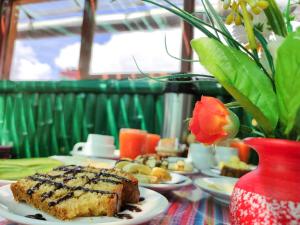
(269, 92)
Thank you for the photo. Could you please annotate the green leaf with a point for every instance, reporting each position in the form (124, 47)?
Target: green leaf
(287, 80)
(275, 18)
(267, 52)
(242, 78)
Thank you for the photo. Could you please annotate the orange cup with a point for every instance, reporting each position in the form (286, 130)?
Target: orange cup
(151, 143)
(243, 149)
(132, 142)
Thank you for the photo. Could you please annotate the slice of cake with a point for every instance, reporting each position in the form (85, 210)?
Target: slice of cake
(169, 147)
(73, 191)
(234, 168)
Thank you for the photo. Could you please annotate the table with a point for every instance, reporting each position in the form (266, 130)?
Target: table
(188, 205)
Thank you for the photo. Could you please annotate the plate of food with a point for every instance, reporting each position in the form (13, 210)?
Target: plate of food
(233, 168)
(182, 165)
(156, 178)
(80, 195)
(174, 164)
(220, 188)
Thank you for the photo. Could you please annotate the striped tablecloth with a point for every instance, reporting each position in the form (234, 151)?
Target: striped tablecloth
(188, 206)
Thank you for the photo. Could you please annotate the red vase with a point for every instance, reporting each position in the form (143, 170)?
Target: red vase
(269, 195)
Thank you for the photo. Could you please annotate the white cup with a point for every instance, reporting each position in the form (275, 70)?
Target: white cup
(100, 139)
(201, 156)
(223, 154)
(97, 145)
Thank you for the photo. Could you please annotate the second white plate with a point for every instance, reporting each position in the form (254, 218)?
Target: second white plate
(177, 182)
(220, 188)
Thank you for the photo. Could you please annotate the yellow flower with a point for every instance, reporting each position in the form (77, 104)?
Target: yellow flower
(238, 20)
(256, 10)
(257, 6)
(262, 4)
(229, 18)
(240, 14)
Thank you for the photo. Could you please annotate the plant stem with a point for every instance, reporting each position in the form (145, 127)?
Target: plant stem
(248, 26)
(287, 17)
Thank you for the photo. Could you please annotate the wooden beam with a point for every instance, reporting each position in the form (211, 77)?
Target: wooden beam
(10, 43)
(5, 12)
(9, 20)
(187, 36)
(39, 31)
(87, 37)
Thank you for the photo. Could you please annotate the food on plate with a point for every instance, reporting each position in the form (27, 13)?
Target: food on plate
(122, 163)
(137, 168)
(234, 168)
(226, 187)
(146, 179)
(14, 169)
(168, 147)
(144, 173)
(161, 174)
(181, 165)
(154, 160)
(68, 192)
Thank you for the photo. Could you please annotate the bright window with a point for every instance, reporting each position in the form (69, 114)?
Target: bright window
(44, 32)
(127, 29)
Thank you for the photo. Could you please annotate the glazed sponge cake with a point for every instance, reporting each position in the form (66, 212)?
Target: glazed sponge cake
(73, 191)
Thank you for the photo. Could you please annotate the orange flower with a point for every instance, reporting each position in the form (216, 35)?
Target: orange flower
(212, 121)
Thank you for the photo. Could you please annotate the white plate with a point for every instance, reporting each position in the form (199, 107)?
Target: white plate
(153, 205)
(177, 182)
(220, 188)
(187, 173)
(116, 155)
(211, 172)
(215, 171)
(5, 182)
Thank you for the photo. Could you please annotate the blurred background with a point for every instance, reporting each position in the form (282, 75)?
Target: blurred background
(67, 70)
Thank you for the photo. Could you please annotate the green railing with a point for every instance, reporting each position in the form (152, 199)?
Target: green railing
(46, 118)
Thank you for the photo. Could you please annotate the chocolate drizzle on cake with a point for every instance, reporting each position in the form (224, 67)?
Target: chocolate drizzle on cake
(58, 185)
(73, 170)
(99, 179)
(62, 199)
(47, 195)
(30, 191)
(48, 179)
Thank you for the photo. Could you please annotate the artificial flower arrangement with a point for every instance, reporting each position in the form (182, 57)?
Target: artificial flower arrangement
(262, 76)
